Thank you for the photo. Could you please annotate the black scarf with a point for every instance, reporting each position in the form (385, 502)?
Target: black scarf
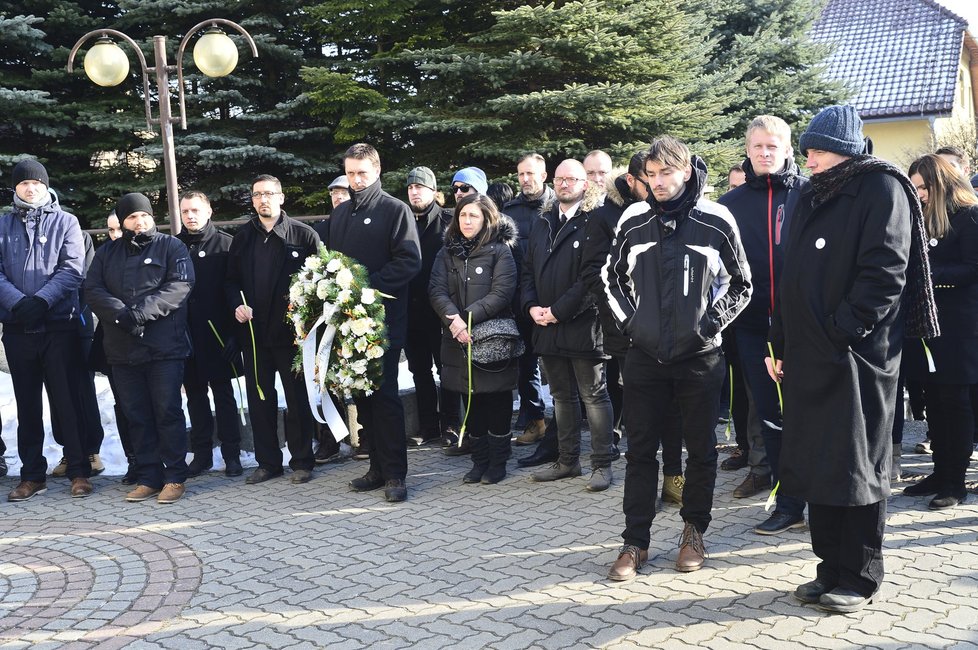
(135, 242)
(918, 295)
(461, 247)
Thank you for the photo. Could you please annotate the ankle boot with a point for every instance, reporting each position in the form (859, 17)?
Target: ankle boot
(131, 475)
(480, 459)
(499, 453)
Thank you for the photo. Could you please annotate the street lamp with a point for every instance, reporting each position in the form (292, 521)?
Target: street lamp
(215, 54)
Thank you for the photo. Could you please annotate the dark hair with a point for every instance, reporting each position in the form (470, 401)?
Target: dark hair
(490, 213)
(957, 152)
(636, 165)
(736, 168)
(261, 178)
(196, 194)
(500, 193)
(363, 151)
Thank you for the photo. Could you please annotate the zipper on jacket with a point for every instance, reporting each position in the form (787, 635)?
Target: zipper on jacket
(686, 275)
(770, 246)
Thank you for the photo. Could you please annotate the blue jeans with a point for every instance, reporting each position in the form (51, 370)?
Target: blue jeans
(588, 376)
(150, 398)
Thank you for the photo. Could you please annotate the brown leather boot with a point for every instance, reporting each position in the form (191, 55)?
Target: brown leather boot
(753, 484)
(692, 552)
(630, 560)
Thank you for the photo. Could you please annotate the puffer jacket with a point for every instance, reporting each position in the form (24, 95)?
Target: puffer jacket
(41, 254)
(552, 277)
(153, 282)
(675, 279)
(483, 286)
(763, 208)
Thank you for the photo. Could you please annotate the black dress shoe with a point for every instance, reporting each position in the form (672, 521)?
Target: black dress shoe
(810, 592)
(542, 455)
(131, 476)
(261, 475)
(924, 487)
(301, 476)
(843, 601)
(370, 481)
(946, 499)
(395, 490)
(200, 464)
(232, 467)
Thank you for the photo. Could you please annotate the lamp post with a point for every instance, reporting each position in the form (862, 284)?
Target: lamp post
(215, 54)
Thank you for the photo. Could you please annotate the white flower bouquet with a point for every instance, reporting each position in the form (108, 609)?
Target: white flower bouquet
(336, 285)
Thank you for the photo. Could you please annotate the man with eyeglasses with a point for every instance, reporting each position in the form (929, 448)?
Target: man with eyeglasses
(525, 210)
(566, 334)
(264, 254)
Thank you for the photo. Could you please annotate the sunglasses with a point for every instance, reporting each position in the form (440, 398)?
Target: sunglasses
(462, 188)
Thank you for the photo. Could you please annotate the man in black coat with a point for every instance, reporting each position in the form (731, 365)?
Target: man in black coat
(764, 207)
(566, 331)
(376, 230)
(264, 254)
(438, 411)
(214, 361)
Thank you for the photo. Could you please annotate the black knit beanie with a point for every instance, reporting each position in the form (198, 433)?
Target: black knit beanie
(29, 170)
(133, 202)
(837, 129)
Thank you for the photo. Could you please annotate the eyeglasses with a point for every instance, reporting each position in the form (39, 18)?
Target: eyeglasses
(560, 180)
(462, 188)
(264, 195)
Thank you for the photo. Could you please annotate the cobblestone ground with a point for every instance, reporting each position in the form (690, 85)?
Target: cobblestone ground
(516, 565)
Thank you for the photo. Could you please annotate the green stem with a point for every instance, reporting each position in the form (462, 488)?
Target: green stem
(237, 380)
(468, 405)
(770, 349)
(254, 350)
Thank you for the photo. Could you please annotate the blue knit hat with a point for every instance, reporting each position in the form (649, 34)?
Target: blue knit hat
(472, 176)
(837, 129)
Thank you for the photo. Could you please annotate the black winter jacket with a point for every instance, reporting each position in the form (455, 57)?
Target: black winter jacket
(299, 242)
(552, 277)
(430, 227)
(153, 283)
(208, 301)
(674, 290)
(482, 285)
(376, 230)
(763, 208)
(524, 213)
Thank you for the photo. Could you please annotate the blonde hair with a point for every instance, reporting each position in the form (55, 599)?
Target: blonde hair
(771, 124)
(947, 192)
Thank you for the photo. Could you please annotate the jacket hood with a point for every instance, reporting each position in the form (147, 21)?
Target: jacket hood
(507, 232)
(695, 187)
(591, 200)
(617, 190)
(785, 177)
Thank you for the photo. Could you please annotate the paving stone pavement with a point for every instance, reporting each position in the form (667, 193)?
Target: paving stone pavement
(515, 565)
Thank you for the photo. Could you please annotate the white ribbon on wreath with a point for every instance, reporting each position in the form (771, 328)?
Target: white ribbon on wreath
(314, 357)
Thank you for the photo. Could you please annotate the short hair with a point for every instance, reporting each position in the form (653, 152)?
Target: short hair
(636, 165)
(363, 151)
(735, 168)
(196, 194)
(669, 151)
(952, 150)
(771, 124)
(489, 211)
(597, 153)
(500, 193)
(532, 156)
(266, 178)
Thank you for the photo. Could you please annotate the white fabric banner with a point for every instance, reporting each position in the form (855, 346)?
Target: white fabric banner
(314, 356)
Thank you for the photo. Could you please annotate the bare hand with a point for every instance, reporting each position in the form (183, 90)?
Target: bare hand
(774, 370)
(549, 316)
(244, 313)
(540, 315)
(458, 329)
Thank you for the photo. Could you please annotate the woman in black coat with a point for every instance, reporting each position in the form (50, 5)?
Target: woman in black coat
(951, 218)
(474, 276)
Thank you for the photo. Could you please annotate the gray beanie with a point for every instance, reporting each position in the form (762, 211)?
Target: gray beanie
(133, 202)
(29, 169)
(422, 176)
(837, 129)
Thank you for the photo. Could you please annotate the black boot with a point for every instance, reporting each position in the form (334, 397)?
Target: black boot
(480, 459)
(202, 462)
(499, 452)
(131, 475)
(546, 451)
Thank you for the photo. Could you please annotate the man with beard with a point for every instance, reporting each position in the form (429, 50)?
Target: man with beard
(264, 254)
(214, 362)
(763, 208)
(676, 276)
(41, 267)
(438, 411)
(376, 230)
(566, 332)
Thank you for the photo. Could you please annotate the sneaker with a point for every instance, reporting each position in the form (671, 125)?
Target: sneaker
(923, 447)
(60, 469)
(556, 471)
(532, 433)
(171, 493)
(96, 462)
(27, 489)
(600, 479)
(778, 523)
(630, 560)
(736, 460)
(672, 489)
(752, 485)
(141, 493)
(692, 551)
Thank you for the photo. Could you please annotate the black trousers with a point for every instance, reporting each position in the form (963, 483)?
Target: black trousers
(120, 418)
(438, 409)
(50, 360)
(849, 542)
(201, 418)
(90, 418)
(381, 415)
(299, 425)
(952, 427)
(490, 414)
(652, 390)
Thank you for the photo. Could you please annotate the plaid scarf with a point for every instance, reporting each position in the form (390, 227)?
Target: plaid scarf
(918, 295)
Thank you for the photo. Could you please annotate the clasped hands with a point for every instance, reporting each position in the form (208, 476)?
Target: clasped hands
(458, 328)
(542, 316)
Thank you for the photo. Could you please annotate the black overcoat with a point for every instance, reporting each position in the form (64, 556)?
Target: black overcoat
(482, 285)
(838, 328)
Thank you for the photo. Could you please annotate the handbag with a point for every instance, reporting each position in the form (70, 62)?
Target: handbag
(496, 340)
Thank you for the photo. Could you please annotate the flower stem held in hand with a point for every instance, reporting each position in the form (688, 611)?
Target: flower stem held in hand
(770, 349)
(254, 351)
(237, 380)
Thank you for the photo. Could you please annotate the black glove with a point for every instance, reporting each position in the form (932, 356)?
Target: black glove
(29, 310)
(127, 322)
(232, 351)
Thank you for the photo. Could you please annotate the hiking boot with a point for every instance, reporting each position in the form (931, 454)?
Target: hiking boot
(672, 489)
(532, 433)
(141, 493)
(96, 462)
(171, 493)
(630, 560)
(60, 469)
(753, 484)
(556, 471)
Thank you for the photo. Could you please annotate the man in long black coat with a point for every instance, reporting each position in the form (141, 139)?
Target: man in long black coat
(838, 329)
(213, 360)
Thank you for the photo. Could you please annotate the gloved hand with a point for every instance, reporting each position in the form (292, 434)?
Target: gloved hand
(127, 322)
(232, 351)
(29, 310)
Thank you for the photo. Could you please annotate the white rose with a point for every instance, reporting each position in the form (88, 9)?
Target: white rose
(344, 296)
(313, 262)
(375, 352)
(345, 328)
(360, 367)
(360, 326)
(334, 265)
(359, 311)
(322, 289)
(345, 278)
(345, 351)
(368, 296)
(295, 291)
